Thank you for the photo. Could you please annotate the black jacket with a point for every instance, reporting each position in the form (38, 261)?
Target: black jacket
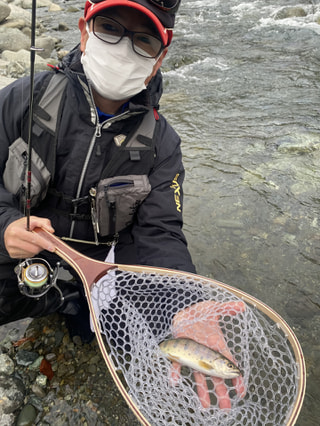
(83, 149)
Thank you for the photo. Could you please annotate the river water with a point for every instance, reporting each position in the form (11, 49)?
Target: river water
(242, 90)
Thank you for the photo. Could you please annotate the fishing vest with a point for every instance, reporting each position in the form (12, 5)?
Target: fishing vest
(114, 200)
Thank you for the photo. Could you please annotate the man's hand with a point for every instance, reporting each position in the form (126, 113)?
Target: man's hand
(200, 322)
(21, 243)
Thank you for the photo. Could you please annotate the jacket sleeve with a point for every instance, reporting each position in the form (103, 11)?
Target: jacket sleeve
(13, 102)
(157, 233)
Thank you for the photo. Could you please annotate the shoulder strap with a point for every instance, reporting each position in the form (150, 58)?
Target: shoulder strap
(141, 139)
(47, 112)
(47, 108)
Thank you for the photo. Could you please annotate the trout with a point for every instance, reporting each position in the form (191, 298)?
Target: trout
(199, 357)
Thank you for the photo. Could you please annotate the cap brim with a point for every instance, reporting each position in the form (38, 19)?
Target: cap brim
(92, 9)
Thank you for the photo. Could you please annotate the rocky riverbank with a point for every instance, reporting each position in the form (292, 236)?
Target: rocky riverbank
(15, 36)
(48, 379)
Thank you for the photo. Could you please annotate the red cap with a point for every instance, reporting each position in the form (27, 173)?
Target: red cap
(159, 17)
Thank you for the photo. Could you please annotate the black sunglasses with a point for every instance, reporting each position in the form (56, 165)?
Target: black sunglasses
(169, 6)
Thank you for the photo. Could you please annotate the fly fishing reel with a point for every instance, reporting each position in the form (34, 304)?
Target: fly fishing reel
(36, 277)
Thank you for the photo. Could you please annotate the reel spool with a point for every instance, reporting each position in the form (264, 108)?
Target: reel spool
(36, 277)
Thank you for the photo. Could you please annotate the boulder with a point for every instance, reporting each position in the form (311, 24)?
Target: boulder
(17, 13)
(11, 394)
(47, 44)
(22, 56)
(290, 12)
(27, 4)
(4, 11)
(13, 39)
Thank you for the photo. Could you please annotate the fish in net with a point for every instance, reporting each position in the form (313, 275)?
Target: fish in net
(137, 311)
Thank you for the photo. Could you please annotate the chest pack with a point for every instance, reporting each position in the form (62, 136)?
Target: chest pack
(124, 182)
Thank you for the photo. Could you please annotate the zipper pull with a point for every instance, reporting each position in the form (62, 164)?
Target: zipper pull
(98, 130)
(95, 224)
(105, 125)
(112, 217)
(112, 210)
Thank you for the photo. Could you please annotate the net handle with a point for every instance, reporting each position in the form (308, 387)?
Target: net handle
(90, 270)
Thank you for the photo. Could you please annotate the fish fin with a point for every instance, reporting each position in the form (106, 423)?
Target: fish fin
(205, 365)
(173, 358)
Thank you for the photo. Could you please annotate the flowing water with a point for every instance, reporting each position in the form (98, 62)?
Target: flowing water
(242, 90)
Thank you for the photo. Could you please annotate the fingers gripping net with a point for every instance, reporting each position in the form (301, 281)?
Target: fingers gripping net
(135, 313)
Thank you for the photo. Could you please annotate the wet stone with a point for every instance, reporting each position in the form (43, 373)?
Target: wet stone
(63, 26)
(36, 402)
(51, 357)
(94, 360)
(92, 369)
(38, 390)
(7, 420)
(36, 364)
(12, 394)
(68, 355)
(77, 340)
(6, 364)
(58, 337)
(26, 358)
(27, 416)
(41, 380)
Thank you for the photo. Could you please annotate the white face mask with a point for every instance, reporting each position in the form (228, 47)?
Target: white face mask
(115, 71)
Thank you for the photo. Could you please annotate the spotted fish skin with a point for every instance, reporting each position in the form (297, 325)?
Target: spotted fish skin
(199, 357)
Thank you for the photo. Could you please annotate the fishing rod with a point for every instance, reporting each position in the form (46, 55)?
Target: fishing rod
(31, 101)
(35, 275)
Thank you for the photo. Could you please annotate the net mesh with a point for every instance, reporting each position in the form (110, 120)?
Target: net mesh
(135, 313)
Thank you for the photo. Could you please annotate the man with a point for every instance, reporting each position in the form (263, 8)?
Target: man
(112, 82)
(101, 149)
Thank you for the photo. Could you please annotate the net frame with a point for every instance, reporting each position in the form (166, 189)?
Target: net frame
(91, 271)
